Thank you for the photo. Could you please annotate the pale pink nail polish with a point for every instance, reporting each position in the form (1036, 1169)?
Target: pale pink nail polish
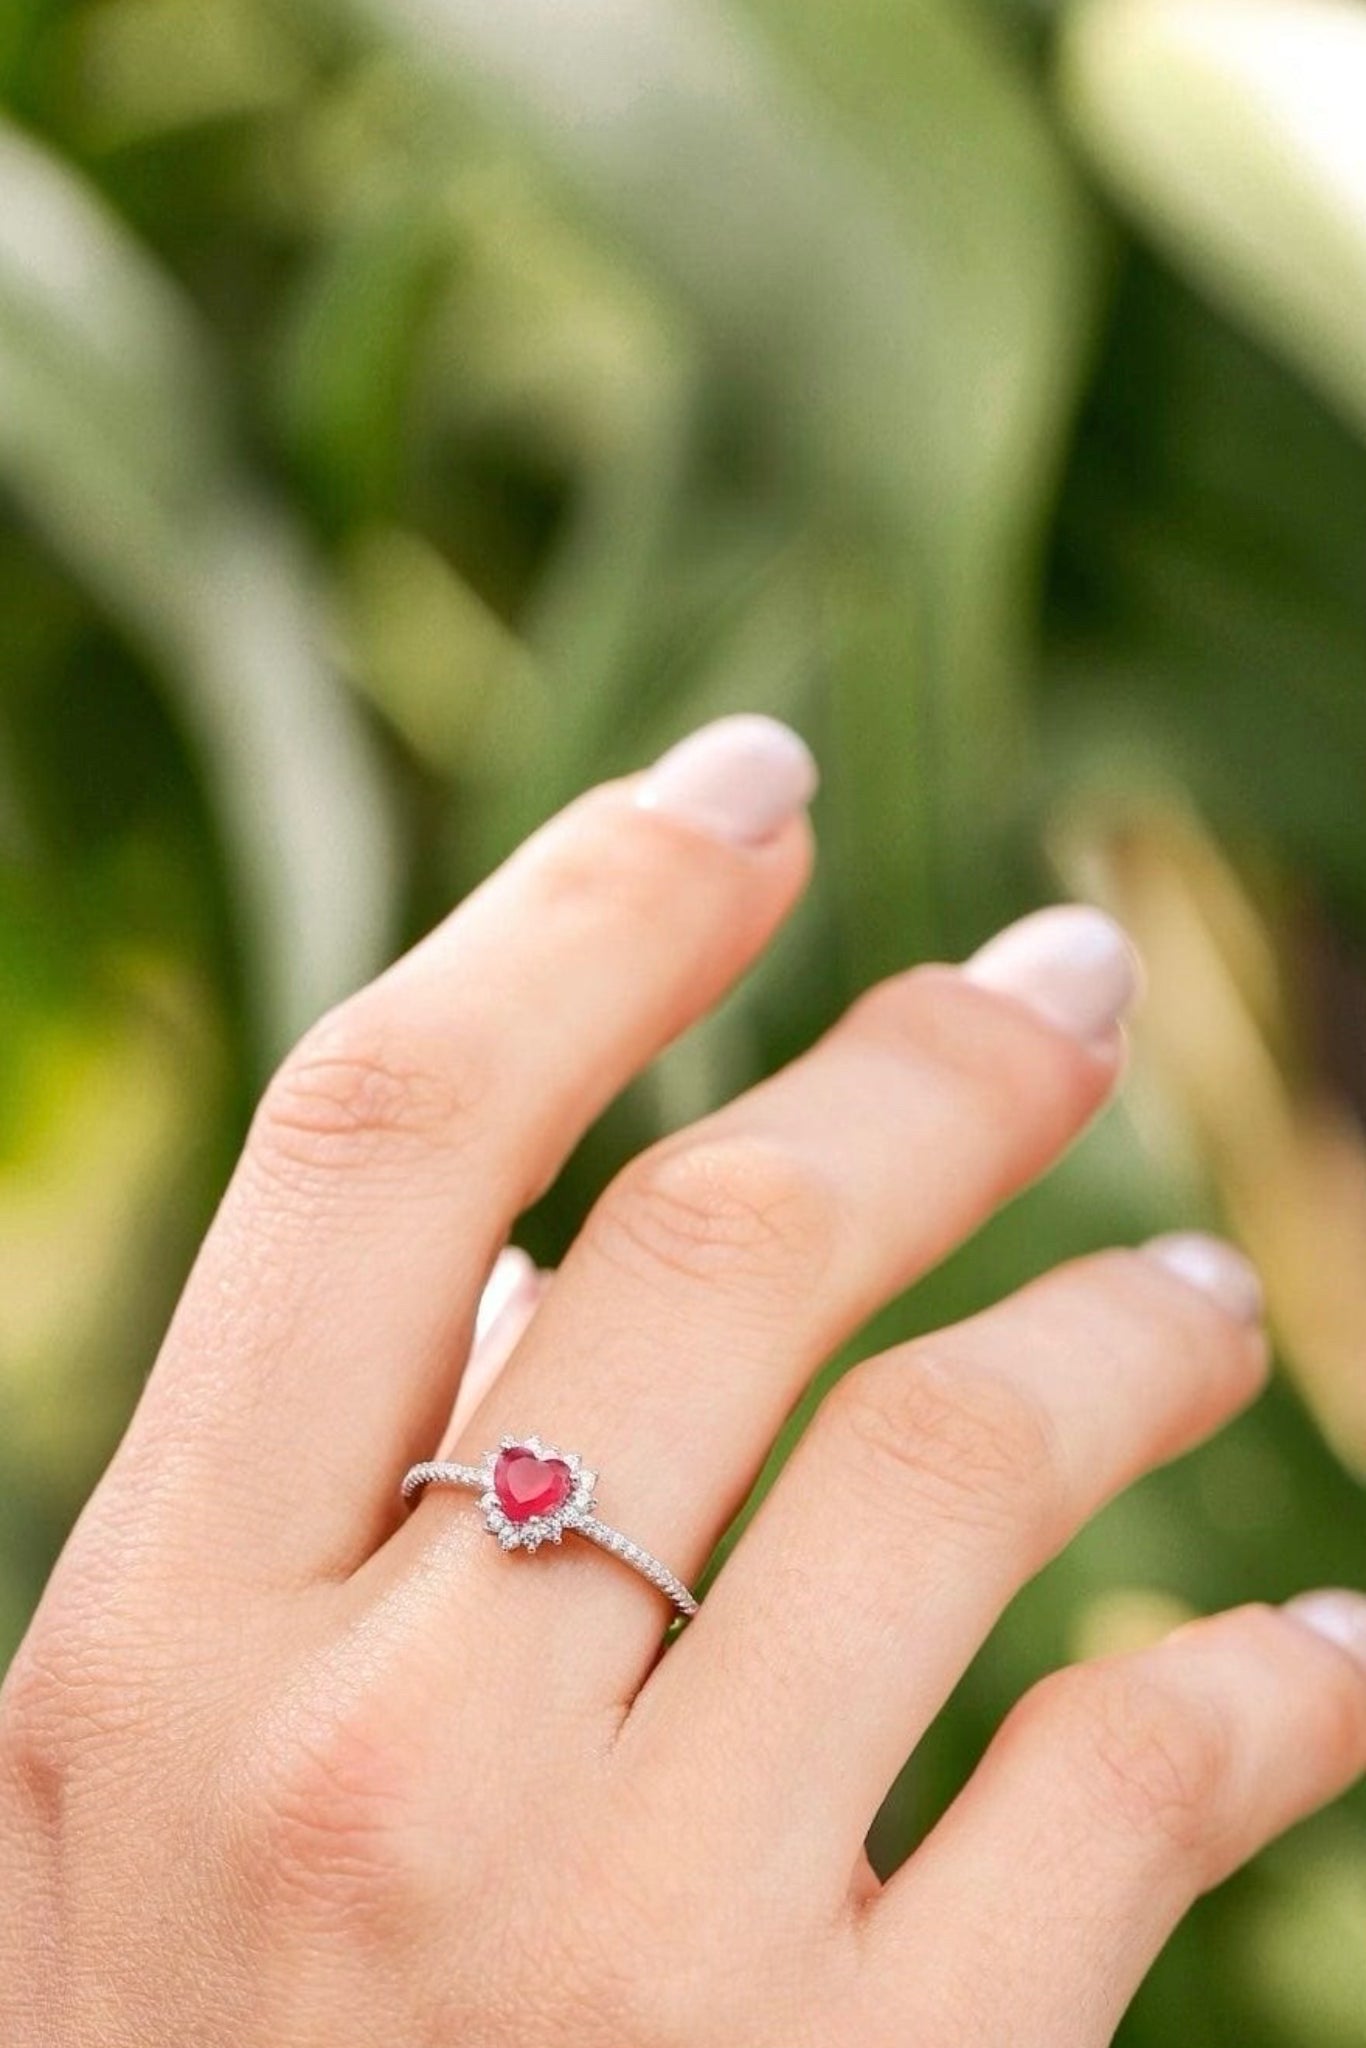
(509, 1301)
(494, 1346)
(514, 1277)
(1072, 965)
(1216, 1268)
(1337, 1614)
(740, 779)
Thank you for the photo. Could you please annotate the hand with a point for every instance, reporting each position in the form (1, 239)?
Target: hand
(281, 1765)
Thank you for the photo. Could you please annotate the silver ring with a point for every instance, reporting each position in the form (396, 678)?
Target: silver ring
(531, 1493)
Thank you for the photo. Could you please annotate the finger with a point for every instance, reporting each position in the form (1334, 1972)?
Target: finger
(931, 1484)
(724, 1266)
(317, 1346)
(506, 1307)
(1114, 1795)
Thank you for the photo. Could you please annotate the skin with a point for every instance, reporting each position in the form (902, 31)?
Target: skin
(280, 1765)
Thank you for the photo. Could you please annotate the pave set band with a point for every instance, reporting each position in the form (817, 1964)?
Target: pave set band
(531, 1493)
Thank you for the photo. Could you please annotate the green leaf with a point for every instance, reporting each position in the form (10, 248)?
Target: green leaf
(1233, 130)
(889, 271)
(349, 360)
(114, 441)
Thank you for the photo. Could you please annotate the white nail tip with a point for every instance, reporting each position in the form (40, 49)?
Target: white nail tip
(1337, 1615)
(1216, 1268)
(740, 779)
(1072, 965)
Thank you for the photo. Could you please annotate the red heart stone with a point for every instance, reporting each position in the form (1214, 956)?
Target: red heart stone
(527, 1485)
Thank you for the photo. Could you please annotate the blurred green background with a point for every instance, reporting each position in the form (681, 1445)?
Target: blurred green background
(411, 410)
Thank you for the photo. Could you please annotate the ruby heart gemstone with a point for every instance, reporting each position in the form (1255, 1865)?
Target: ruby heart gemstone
(527, 1485)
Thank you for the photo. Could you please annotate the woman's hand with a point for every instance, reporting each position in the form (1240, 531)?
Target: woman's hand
(280, 1765)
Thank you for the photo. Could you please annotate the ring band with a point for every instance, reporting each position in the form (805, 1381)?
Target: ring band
(532, 1494)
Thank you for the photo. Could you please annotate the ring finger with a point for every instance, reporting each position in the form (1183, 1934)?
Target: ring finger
(724, 1266)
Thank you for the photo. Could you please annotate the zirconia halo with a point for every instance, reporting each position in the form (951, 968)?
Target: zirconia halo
(503, 1518)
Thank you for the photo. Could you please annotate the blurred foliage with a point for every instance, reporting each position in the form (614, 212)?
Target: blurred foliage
(413, 409)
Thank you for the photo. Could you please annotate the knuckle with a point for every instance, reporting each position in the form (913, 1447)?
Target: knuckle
(1154, 1759)
(722, 1211)
(336, 1806)
(35, 1753)
(353, 1089)
(59, 1707)
(971, 1444)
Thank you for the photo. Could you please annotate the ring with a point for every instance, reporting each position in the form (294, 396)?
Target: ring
(531, 1493)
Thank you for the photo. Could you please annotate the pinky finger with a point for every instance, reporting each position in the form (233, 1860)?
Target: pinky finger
(1113, 1796)
(510, 1299)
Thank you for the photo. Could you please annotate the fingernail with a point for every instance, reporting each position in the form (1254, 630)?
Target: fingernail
(496, 1341)
(506, 1307)
(513, 1278)
(1337, 1614)
(1216, 1268)
(739, 780)
(1072, 965)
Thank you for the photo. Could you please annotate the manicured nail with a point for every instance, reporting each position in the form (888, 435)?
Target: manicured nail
(740, 779)
(1337, 1614)
(510, 1299)
(496, 1341)
(1215, 1268)
(1072, 965)
(514, 1278)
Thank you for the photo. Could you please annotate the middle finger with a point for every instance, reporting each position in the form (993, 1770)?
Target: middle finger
(725, 1265)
